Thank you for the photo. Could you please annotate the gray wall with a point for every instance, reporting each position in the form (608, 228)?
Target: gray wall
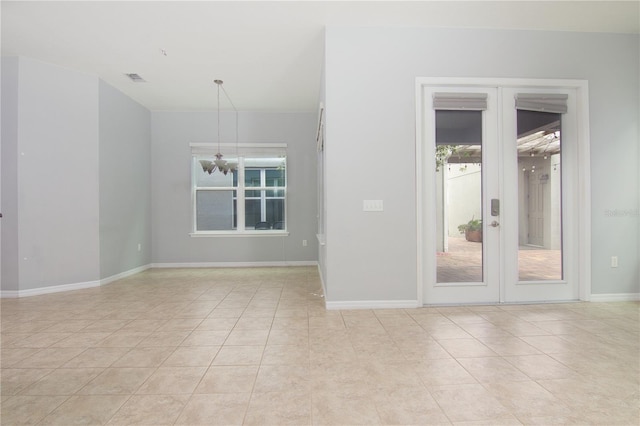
(172, 132)
(53, 177)
(9, 169)
(370, 99)
(125, 183)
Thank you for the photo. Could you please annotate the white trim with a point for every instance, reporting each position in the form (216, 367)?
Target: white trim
(615, 297)
(373, 304)
(235, 264)
(264, 233)
(50, 289)
(324, 287)
(125, 274)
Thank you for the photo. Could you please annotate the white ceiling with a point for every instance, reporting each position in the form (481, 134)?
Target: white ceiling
(269, 54)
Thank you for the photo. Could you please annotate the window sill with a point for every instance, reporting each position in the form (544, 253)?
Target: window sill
(249, 233)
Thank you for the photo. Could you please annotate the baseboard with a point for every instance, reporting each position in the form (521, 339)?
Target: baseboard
(112, 278)
(10, 294)
(615, 297)
(234, 264)
(373, 304)
(48, 290)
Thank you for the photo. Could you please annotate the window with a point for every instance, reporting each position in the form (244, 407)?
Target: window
(249, 200)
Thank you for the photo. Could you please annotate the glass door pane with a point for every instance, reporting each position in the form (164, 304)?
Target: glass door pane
(539, 196)
(459, 237)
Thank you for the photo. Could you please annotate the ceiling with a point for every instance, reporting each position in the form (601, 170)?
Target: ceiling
(269, 54)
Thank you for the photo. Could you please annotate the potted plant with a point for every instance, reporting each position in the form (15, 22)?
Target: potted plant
(472, 230)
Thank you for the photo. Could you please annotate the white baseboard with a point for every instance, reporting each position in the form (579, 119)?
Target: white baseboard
(125, 274)
(615, 297)
(50, 289)
(10, 294)
(373, 304)
(234, 264)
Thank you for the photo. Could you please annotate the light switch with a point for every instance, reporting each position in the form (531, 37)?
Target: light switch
(372, 205)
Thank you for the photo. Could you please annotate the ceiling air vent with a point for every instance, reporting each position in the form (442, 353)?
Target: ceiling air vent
(136, 78)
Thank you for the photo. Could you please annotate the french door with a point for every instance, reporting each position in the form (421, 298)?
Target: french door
(499, 193)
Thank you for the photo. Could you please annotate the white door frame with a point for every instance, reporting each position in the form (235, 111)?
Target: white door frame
(582, 247)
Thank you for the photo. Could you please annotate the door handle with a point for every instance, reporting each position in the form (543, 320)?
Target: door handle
(494, 224)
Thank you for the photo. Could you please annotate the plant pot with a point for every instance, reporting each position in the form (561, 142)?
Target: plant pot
(473, 236)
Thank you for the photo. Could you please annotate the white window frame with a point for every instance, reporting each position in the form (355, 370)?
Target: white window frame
(241, 151)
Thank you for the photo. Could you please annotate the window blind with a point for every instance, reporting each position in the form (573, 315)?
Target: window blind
(460, 101)
(542, 102)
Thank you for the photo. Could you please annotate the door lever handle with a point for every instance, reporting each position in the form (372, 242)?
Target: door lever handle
(494, 224)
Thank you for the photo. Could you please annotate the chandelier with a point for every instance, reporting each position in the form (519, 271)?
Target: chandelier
(219, 163)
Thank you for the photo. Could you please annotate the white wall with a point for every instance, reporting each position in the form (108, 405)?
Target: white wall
(370, 99)
(172, 132)
(125, 183)
(56, 177)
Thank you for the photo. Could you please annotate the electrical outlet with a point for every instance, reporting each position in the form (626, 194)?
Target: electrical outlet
(372, 205)
(304, 243)
(139, 247)
(614, 261)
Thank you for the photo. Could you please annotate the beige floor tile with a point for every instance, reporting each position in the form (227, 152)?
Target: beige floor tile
(150, 410)
(466, 348)
(446, 331)
(409, 406)
(173, 381)
(214, 409)
(63, 381)
(85, 410)
(286, 355)
(217, 324)
(11, 356)
(330, 408)
(206, 338)
(288, 337)
(550, 344)
(192, 356)
(478, 403)
(226, 312)
(164, 338)
(257, 346)
(180, 324)
(106, 325)
(254, 323)
(283, 378)
(82, 339)
(28, 410)
(228, 379)
(539, 367)
(40, 340)
(492, 370)
(438, 372)
(119, 381)
(528, 398)
(239, 355)
(49, 358)
(279, 408)
(123, 339)
(247, 337)
(506, 346)
(14, 380)
(144, 324)
(144, 357)
(96, 357)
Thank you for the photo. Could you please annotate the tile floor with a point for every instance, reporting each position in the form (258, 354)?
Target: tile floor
(257, 347)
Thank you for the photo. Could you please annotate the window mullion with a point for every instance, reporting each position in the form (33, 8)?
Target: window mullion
(240, 193)
(263, 193)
